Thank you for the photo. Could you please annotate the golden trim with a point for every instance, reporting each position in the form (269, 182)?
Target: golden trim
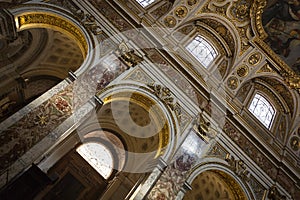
(289, 76)
(52, 21)
(256, 18)
(181, 11)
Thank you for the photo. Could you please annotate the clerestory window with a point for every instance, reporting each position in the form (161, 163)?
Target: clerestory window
(202, 50)
(263, 110)
(145, 3)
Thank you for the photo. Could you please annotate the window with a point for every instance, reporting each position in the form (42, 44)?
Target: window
(145, 3)
(98, 156)
(262, 110)
(202, 50)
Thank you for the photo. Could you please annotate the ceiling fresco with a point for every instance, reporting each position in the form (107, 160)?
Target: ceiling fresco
(281, 20)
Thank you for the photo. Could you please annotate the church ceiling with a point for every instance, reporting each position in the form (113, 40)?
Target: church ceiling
(281, 22)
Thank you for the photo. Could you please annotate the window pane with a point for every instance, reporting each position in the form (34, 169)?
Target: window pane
(202, 50)
(98, 156)
(145, 3)
(262, 110)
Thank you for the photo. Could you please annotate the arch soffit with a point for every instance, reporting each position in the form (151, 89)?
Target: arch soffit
(143, 96)
(221, 166)
(29, 16)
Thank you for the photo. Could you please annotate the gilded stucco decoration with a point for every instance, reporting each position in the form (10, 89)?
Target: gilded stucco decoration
(234, 186)
(232, 82)
(170, 21)
(192, 2)
(242, 71)
(254, 58)
(29, 20)
(256, 18)
(89, 22)
(164, 94)
(217, 151)
(181, 11)
(204, 129)
(295, 143)
(238, 167)
(240, 10)
(237, 14)
(292, 80)
(128, 56)
(267, 68)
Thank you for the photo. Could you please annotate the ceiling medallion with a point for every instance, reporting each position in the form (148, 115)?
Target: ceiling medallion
(170, 21)
(242, 71)
(232, 82)
(295, 143)
(181, 11)
(255, 58)
(192, 2)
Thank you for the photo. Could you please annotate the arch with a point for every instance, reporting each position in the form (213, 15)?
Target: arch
(225, 31)
(162, 116)
(30, 16)
(220, 169)
(99, 156)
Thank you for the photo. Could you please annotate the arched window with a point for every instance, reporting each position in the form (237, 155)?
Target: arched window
(263, 110)
(98, 156)
(202, 50)
(145, 3)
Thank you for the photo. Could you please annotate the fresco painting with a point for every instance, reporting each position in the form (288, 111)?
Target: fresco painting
(281, 20)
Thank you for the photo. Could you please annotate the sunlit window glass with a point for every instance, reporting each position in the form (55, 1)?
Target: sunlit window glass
(145, 3)
(98, 156)
(262, 110)
(202, 50)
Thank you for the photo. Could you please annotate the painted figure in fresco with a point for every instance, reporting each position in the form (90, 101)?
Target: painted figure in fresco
(184, 162)
(286, 10)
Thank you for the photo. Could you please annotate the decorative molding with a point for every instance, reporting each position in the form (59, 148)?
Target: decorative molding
(165, 95)
(89, 22)
(238, 167)
(256, 18)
